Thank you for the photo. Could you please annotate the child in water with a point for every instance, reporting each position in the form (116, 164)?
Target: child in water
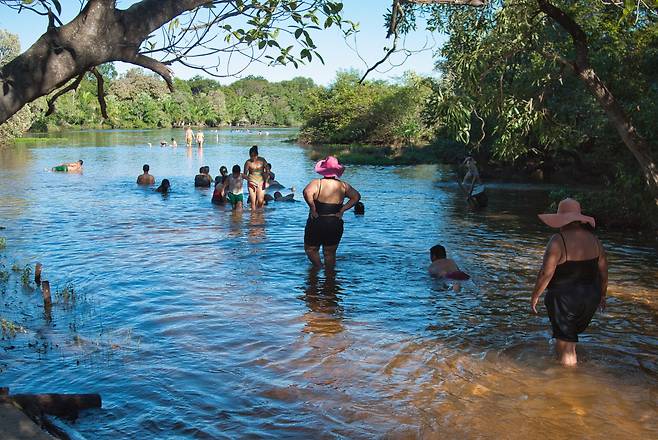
(444, 267)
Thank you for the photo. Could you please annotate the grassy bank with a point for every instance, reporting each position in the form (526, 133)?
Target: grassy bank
(384, 155)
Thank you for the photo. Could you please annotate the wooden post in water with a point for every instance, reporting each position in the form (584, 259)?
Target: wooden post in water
(37, 274)
(45, 291)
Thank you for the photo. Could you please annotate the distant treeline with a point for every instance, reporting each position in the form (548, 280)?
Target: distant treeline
(137, 99)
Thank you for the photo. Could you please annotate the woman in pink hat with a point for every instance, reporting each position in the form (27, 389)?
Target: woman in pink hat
(325, 197)
(575, 271)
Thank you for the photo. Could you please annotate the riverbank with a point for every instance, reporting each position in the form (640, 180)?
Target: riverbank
(615, 205)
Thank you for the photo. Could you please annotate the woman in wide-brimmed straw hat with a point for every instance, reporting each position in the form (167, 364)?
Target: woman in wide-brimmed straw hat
(575, 271)
(325, 197)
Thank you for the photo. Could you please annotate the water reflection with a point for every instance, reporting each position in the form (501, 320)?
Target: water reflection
(238, 336)
(322, 296)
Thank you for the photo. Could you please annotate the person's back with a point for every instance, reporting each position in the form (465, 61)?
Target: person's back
(330, 191)
(146, 178)
(444, 267)
(202, 179)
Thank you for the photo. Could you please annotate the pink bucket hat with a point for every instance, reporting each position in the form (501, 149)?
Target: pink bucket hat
(567, 211)
(329, 167)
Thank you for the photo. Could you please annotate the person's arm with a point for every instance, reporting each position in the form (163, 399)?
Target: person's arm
(309, 192)
(603, 275)
(551, 258)
(353, 196)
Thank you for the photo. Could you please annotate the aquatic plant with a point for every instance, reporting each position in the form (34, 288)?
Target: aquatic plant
(68, 295)
(3, 242)
(26, 275)
(10, 328)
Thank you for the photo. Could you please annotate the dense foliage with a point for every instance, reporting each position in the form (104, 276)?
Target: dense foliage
(138, 100)
(375, 112)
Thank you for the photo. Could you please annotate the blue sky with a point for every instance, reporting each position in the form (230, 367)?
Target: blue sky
(337, 53)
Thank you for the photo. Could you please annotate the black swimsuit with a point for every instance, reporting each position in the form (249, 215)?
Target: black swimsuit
(327, 229)
(574, 294)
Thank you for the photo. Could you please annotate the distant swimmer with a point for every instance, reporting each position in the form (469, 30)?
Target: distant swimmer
(164, 187)
(232, 188)
(189, 136)
(359, 209)
(199, 139)
(71, 167)
(146, 178)
(173, 142)
(163, 143)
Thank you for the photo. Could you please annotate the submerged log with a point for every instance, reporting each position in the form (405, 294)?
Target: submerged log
(61, 405)
(37, 274)
(45, 291)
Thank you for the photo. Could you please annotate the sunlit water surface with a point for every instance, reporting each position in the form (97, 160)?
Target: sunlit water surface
(193, 322)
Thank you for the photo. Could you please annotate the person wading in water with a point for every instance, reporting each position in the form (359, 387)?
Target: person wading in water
(575, 271)
(324, 227)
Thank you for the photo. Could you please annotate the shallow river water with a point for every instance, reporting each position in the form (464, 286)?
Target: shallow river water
(194, 322)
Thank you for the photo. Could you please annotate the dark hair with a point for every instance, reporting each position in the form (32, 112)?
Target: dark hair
(223, 169)
(80, 161)
(269, 166)
(206, 169)
(201, 170)
(438, 251)
(146, 167)
(253, 150)
(165, 183)
(172, 139)
(236, 168)
(359, 208)
(279, 193)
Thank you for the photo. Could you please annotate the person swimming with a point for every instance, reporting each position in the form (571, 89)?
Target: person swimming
(444, 267)
(278, 197)
(164, 186)
(256, 171)
(173, 142)
(146, 178)
(70, 167)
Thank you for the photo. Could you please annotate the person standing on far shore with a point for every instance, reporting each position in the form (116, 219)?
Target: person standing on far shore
(189, 137)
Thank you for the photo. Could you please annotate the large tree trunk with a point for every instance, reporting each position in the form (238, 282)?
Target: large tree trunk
(99, 34)
(615, 112)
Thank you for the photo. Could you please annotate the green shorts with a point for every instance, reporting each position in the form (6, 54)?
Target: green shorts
(61, 168)
(234, 198)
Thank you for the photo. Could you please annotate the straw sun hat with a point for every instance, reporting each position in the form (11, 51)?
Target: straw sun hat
(567, 211)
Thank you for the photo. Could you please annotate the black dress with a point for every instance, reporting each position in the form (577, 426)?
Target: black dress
(574, 294)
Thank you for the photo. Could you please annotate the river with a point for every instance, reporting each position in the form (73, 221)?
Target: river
(194, 322)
